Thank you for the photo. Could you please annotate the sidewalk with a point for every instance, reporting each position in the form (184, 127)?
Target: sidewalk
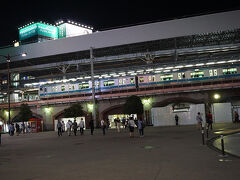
(231, 139)
(166, 153)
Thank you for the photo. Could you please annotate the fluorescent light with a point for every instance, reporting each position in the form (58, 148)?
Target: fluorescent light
(220, 62)
(232, 61)
(189, 65)
(179, 66)
(201, 64)
(209, 63)
(148, 70)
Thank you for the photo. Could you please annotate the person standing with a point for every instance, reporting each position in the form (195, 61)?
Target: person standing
(176, 119)
(103, 125)
(131, 125)
(11, 129)
(91, 125)
(68, 126)
(63, 126)
(75, 126)
(118, 124)
(140, 127)
(17, 129)
(81, 125)
(199, 121)
(236, 117)
(59, 127)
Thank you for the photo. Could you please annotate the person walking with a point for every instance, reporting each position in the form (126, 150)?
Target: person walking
(81, 126)
(131, 125)
(209, 120)
(91, 125)
(176, 119)
(23, 127)
(59, 127)
(199, 121)
(103, 125)
(75, 126)
(68, 126)
(140, 127)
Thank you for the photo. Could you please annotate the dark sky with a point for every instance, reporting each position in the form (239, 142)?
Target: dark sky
(100, 14)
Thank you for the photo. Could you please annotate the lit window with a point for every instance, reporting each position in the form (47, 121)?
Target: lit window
(120, 81)
(141, 79)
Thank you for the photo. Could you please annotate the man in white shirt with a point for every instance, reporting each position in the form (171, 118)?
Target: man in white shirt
(69, 125)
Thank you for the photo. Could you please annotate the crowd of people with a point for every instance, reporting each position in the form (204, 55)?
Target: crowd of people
(126, 123)
(22, 128)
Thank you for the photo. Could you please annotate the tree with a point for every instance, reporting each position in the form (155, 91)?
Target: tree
(133, 105)
(74, 111)
(25, 113)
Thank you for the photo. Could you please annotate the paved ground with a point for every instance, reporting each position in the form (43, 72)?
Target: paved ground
(166, 153)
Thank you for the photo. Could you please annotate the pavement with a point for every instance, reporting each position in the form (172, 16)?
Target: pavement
(166, 153)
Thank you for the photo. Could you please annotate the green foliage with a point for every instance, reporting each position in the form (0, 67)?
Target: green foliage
(74, 111)
(133, 105)
(25, 113)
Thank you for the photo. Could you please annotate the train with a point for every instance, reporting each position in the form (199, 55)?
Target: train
(170, 76)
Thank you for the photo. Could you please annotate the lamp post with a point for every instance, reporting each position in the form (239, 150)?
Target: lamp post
(8, 59)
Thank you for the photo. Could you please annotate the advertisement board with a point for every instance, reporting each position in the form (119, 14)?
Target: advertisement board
(38, 29)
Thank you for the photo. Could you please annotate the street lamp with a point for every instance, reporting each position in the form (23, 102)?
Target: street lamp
(8, 59)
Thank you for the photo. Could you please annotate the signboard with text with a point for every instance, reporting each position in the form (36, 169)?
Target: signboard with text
(38, 29)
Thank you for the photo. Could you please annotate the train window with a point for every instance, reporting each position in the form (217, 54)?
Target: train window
(53, 89)
(63, 88)
(230, 71)
(153, 78)
(141, 79)
(109, 83)
(183, 75)
(179, 75)
(97, 84)
(120, 82)
(69, 87)
(41, 89)
(83, 86)
(73, 87)
(124, 81)
(166, 77)
(215, 72)
(132, 80)
(45, 89)
(197, 74)
(210, 73)
(4, 82)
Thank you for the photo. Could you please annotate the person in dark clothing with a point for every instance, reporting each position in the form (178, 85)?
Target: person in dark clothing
(91, 125)
(176, 119)
(59, 127)
(209, 120)
(17, 129)
(75, 126)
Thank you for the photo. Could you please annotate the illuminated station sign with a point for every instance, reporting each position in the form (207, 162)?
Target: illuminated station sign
(63, 30)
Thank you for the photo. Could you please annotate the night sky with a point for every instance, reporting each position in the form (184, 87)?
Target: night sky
(100, 14)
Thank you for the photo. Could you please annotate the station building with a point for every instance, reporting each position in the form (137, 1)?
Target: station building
(176, 67)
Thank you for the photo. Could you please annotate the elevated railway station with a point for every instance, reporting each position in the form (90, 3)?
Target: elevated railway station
(175, 66)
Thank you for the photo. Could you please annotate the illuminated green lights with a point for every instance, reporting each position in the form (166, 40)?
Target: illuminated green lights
(90, 107)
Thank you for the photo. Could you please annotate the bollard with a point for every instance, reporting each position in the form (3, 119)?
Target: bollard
(222, 144)
(207, 131)
(203, 141)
